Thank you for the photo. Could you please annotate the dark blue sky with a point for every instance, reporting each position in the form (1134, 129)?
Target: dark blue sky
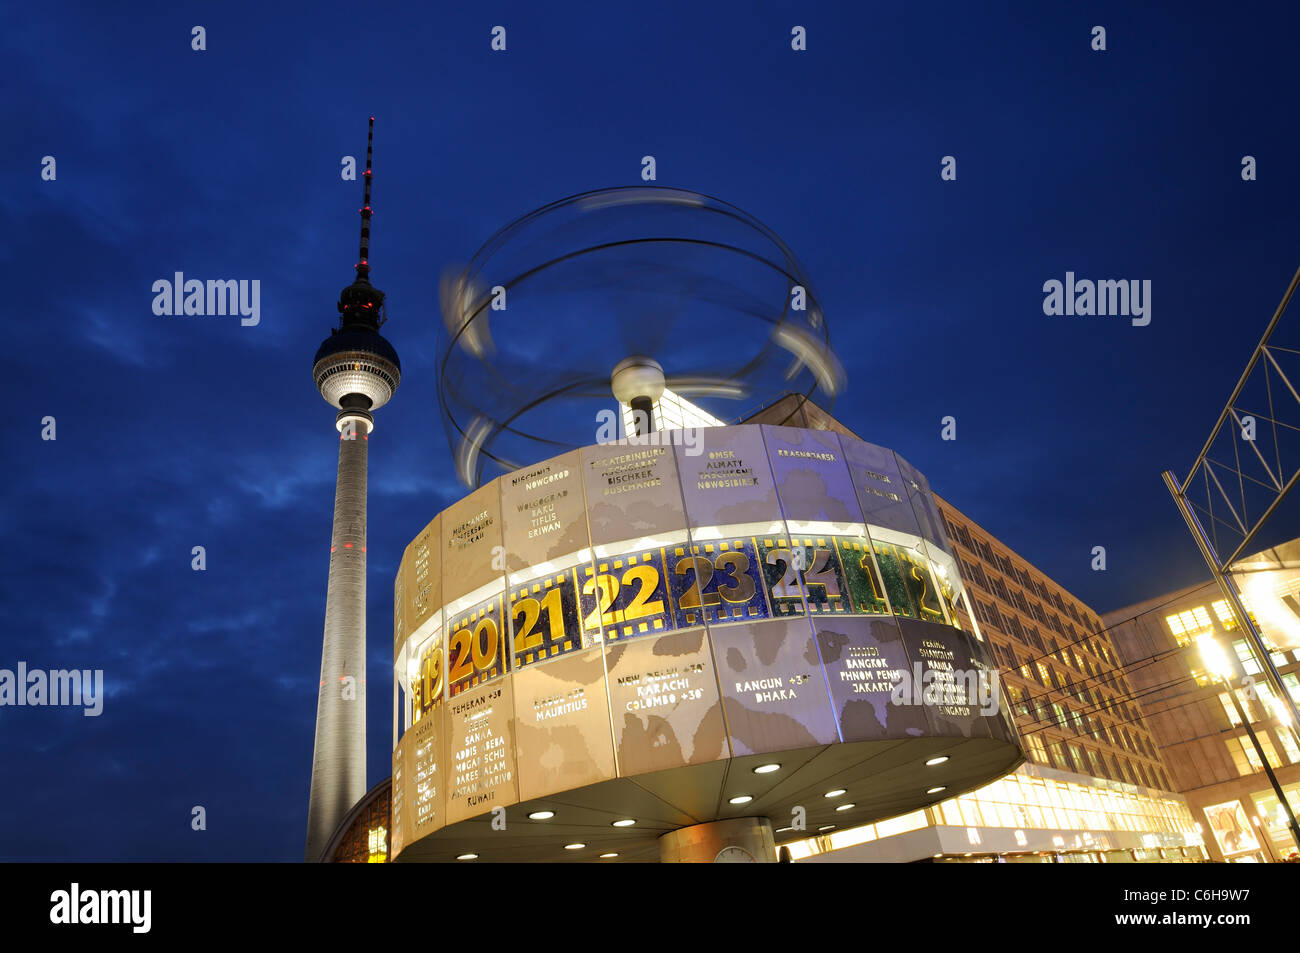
(174, 432)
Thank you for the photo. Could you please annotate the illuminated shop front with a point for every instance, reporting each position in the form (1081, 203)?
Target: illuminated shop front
(1035, 814)
(722, 620)
(1274, 820)
(1232, 831)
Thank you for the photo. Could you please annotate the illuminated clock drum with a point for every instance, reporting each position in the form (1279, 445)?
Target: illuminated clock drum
(657, 611)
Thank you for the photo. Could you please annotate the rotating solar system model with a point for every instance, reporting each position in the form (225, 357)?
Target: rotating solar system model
(648, 632)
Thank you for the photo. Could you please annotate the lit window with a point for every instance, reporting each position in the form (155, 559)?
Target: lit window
(1182, 628)
(1036, 751)
(1225, 614)
(377, 841)
(1251, 755)
(1267, 706)
(671, 412)
(1076, 754)
(1289, 745)
(901, 825)
(1058, 756)
(1247, 657)
(1292, 682)
(857, 835)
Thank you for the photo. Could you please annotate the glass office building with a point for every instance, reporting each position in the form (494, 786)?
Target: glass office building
(1198, 728)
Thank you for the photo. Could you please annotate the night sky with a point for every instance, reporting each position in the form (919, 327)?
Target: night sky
(180, 431)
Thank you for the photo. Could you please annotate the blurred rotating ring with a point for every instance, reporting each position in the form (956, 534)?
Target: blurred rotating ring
(669, 291)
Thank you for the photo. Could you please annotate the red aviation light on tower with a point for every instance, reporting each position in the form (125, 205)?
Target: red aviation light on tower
(356, 371)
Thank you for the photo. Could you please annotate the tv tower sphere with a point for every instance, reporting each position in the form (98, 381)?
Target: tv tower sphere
(353, 364)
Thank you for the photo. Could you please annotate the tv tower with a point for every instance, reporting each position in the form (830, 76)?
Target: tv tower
(357, 371)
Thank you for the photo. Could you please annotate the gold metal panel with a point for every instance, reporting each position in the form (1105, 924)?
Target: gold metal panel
(632, 492)
(864, 658)
(424, 782)
(421, 574)
(879, 484)
(562, 720)
(400, 833)
(812, 478)
(730, 481)
(943, 660)
(664, 700)
(472, 553)
(399, 605)
(773, 690)
(480, 751)
(543, 512)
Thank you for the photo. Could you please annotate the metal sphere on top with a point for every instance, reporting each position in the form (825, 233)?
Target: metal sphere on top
(637, 376)
(357, 362)
(543, 311)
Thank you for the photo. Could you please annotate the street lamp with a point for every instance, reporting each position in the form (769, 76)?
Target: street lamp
(1217, 662)
(1214, 657)
(1280, 710)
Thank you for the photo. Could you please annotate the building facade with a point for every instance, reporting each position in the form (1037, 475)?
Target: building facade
(1095, 786)
(1199, 731)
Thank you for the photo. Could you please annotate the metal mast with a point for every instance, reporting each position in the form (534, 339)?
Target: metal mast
(357, 371)
(1236, 494)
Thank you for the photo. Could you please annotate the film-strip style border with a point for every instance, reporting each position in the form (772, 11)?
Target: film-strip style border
(716, 582)
(627, 596)
(657, 589)
(544, 617)
(475, 646)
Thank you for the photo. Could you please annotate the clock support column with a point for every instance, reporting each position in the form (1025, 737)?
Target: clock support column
(702, 843)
